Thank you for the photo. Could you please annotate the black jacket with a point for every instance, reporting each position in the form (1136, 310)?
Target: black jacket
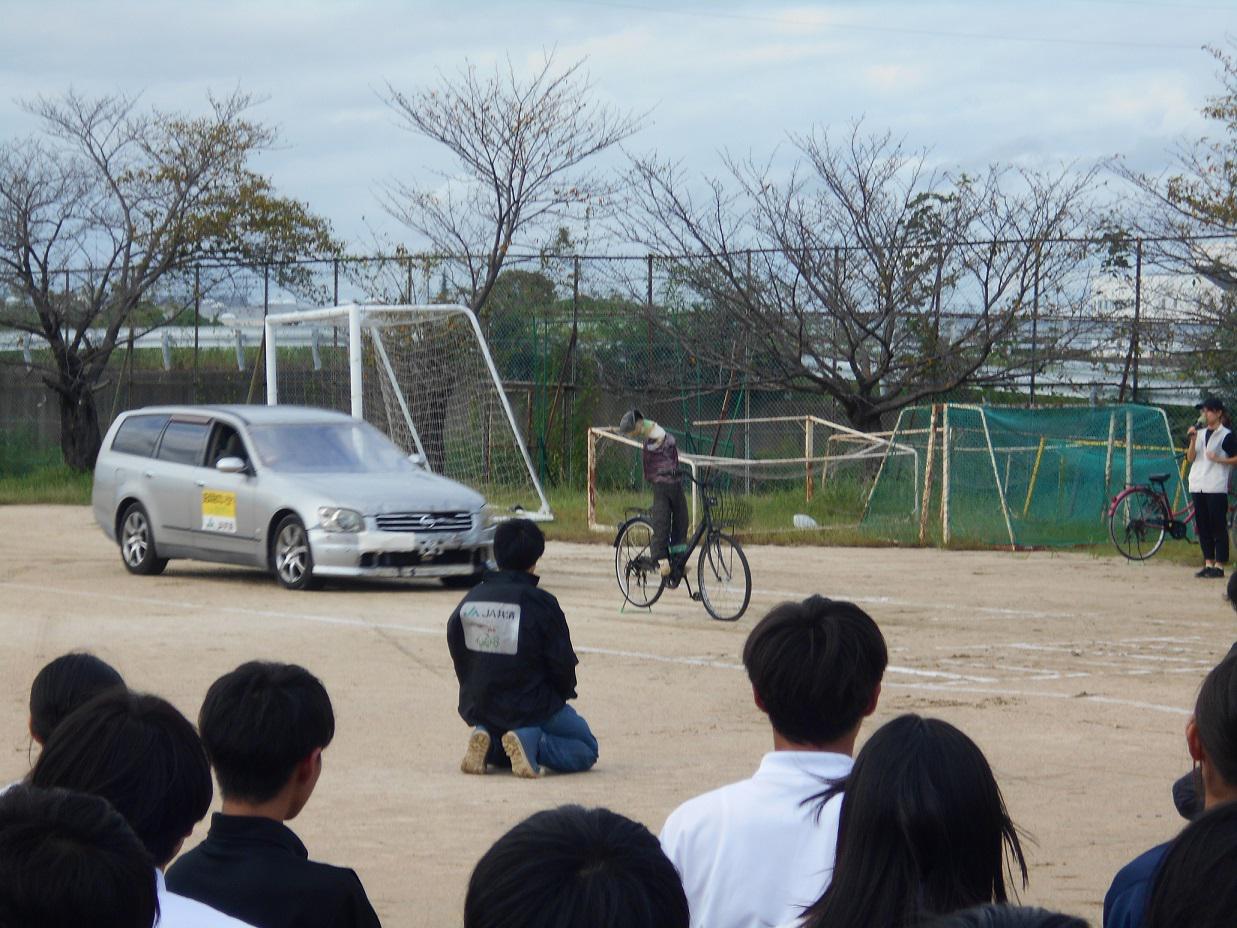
(257, 870)
(512, 653)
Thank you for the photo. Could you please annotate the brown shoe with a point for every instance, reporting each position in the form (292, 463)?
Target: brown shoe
(521, 764)
(477, 751)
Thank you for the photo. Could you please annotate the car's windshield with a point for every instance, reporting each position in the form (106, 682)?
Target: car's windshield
(328, 448)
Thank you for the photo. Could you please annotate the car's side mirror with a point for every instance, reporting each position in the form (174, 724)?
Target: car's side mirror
(231, 465)
(417, 459)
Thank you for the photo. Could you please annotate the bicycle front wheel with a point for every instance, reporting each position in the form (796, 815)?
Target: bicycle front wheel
(638, 577)
(723, 577)
(1137, 524)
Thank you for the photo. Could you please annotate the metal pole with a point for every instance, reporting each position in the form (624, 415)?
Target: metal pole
(1035, 326)
(266, 289)
(408, 268)
(197, 315)
(1138, 299)
(355, 365)
(335, 265)
(649, 308)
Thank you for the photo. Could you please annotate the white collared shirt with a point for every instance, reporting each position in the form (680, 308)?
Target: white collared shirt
(751, 854)
(182, 912)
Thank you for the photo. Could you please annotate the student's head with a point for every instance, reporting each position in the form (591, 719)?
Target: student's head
(1007, 916)
(141, 755)
(67, 858)
(923, 830)
(1196, 884)
(816, 668)
(64, 684)
(573, 867)
(264, 726)
(518, 544)
(1211, 733)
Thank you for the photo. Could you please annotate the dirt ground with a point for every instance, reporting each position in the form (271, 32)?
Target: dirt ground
(1074, 673)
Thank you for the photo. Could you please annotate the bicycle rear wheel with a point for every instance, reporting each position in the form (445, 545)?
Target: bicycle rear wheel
(1137, 524)
(723, 577)
(634, 568)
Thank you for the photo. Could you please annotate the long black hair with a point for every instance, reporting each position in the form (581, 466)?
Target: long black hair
(1194, 885)
(923, 831)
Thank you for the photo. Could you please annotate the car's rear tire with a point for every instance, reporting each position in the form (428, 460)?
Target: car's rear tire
(137, 542)
(291, 557)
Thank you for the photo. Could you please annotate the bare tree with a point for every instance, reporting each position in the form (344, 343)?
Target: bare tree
(105, 208)
(864, 275)
(521, 145)
(1187, 217)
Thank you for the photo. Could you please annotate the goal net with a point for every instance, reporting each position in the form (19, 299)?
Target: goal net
(421, 374)
(783, 475)
(1018, 477)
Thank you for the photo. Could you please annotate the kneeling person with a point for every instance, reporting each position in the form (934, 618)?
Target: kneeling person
(513, 657)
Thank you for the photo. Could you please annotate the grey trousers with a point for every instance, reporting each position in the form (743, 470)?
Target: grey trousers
(669, 515)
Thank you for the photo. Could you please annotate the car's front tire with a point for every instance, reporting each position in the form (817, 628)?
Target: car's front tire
(291, 558)
(137, 542)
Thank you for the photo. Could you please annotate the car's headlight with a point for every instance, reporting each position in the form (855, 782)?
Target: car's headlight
(487, 517)
(333, 519)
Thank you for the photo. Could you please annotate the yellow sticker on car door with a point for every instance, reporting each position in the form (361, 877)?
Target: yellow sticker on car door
(218, 511)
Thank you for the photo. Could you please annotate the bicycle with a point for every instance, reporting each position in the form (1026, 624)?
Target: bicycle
(723, 578)
(1140, 517)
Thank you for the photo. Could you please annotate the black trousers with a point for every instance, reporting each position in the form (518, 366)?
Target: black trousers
(669, 515)
(1210, 518)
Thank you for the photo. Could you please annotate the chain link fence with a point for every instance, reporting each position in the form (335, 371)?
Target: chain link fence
(578, 339)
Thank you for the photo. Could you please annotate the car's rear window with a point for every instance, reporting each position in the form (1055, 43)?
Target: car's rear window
(183, 442)
(138, 435)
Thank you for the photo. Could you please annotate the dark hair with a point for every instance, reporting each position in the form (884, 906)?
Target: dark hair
(1215, 714)
(518, 544)
(64, 684)
(69, 859)
(140, 754)
(1007, 916)
(1195, 884)
(816, 666)
(261, 720)
(923, 830)
(1230, 591)
(572, 866)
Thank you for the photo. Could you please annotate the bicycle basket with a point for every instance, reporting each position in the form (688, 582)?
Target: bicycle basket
(727, 509)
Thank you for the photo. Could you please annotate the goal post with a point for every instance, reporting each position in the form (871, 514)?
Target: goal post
(804, 472)
(422, 374)
(1013, 477)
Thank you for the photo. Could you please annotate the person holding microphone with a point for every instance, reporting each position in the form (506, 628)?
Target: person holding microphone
(1212, 452)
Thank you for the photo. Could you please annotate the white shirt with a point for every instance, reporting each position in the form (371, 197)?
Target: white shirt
(751, 855)
(182, 912)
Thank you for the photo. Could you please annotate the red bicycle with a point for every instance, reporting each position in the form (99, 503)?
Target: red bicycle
(1141, 516)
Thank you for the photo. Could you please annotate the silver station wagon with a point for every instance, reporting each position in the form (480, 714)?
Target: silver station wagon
(305, 493)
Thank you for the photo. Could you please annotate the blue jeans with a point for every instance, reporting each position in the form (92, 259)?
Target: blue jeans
(564, 742)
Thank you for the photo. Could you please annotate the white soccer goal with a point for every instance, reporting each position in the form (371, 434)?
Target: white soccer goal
(789, 472)
(421, 374)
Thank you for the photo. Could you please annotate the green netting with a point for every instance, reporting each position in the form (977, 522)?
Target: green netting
(1031, 476)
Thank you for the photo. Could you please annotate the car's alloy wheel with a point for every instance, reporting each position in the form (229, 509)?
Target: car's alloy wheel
(294, 562)
(137, 543)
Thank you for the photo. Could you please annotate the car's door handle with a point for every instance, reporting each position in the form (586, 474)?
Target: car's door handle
(149, 473)
(200, 483)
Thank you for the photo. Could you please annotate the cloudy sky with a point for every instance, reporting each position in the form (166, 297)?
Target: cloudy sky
(1038, 82)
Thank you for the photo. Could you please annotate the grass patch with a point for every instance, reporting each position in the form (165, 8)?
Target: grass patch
(54, 484)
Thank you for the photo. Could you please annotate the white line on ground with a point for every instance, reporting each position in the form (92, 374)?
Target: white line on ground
(659, 658)
(939, 607)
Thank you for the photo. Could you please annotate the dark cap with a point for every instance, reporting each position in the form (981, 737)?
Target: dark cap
(1212, 402)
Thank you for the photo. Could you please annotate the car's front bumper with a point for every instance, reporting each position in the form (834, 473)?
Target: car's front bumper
(399, 554)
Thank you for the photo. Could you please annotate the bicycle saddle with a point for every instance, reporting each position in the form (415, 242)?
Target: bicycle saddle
(1159, 478)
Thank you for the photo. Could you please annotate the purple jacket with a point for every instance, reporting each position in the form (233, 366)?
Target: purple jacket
(661, 462)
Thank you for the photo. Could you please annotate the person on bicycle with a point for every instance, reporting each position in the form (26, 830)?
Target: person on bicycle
(661, 470)
(1212, 452)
